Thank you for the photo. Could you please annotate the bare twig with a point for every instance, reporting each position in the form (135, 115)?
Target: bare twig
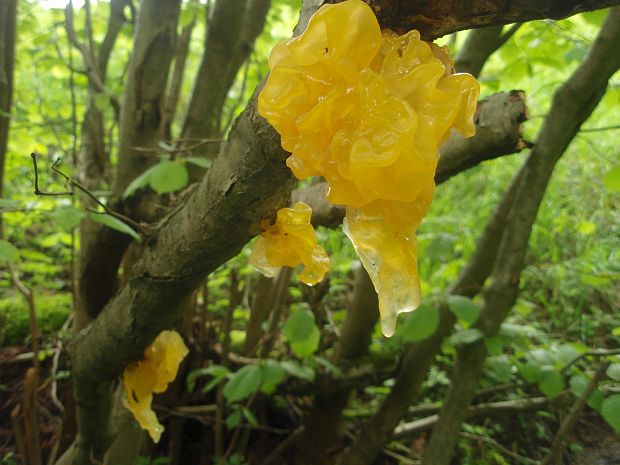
(517, 457)
(70, 183)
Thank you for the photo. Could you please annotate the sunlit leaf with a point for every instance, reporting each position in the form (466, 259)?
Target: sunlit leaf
(169, 176)
(8, 252)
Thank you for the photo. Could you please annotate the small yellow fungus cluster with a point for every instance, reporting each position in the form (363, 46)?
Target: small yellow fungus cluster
(291, 240)
(368, 111)
(152, 375)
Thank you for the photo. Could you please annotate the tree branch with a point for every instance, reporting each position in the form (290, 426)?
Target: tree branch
(436, 19)
(572, 104)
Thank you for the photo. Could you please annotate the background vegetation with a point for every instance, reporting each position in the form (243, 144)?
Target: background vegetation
(243, 403)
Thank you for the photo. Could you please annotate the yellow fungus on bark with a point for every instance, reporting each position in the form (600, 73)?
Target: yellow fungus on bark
(367, 110)
(290, 241)
(152, 375)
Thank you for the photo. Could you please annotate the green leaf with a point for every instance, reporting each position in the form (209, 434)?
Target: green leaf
(611, 180)
(550, 382)
(586, 228)
(615, 331)
(530, 371)
(8, 252)
(273, 375)
(421, 324)
(169, 176)
(233, 419)
(295, 369)
(465, 336)
(578, 383)
(243, 383)
(331, 368)
(613, 371)
(567, 352)
(67, 217)
(114, 223)
(299, 325)
(199, 161)
(463, 308)
(494, 345)
(309, 345)
(502, 367)
(140, 182)
(610, 411)
(218, 372)
(249, 416)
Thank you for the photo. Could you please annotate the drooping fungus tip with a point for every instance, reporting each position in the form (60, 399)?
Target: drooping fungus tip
(368, 110)
(290, 241)
(152, 375)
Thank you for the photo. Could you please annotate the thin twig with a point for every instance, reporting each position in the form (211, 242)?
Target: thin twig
(605, 128)
(178, 150)
(282, 446)
(70, 183)
(497, 445)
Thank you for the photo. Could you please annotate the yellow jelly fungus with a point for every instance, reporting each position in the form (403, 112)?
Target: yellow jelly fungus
(291, 240)
(151, 375)
(368, 110)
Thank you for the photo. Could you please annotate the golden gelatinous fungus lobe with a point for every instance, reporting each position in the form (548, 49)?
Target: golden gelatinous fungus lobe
(367, 110)
(152, 375)
(291, 240)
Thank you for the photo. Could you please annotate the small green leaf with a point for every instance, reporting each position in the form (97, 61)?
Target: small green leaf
(494, 345)
(243, 383)
(615, 331)
(309, 345)
(273, 375)
(466, 336)
(530, 371)
(613, 371)
(611, 180)
(140, 182)
(249, 416)
(610, 411)
(295, 369)
(420, 324)
(550, 382)
(233, 419)
(169, 176)
(218, 372)
(299, 325)
(67, 217)
(578, 383)
(463, 308)
(8, 252)
(586, 228)
(501, 366)
(199, 161)
(114, 223)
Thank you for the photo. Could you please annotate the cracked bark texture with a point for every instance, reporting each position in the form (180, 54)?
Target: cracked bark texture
(572, 104)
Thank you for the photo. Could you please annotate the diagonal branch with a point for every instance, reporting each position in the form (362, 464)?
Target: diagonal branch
(572, 104)
(436, 19)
